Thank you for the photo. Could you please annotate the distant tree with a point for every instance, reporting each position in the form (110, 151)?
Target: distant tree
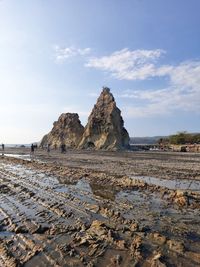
(182, 138)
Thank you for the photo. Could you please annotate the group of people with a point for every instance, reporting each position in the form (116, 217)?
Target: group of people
(62, 148)
(33, 147)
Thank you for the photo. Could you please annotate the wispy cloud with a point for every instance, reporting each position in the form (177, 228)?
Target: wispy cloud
(128, 65)
(64, 53)
(182, 94)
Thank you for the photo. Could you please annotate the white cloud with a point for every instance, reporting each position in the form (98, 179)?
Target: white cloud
(182, 94)
(64, 53)
(128, 65)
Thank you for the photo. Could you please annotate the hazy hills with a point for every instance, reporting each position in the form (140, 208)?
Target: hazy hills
(146, 140)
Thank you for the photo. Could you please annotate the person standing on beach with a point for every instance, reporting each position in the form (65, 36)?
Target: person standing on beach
(3, 147)
(48, 149)
(32, 151)
(63, 148)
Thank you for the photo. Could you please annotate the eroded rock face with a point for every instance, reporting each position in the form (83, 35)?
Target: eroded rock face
(105, 127)
(44, 140)
(67, 130)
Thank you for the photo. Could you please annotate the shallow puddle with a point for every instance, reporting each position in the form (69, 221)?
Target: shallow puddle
(108, 193)
(19, 156)
(5, 234)
(148, 202)
(183, 184)
(91, 188)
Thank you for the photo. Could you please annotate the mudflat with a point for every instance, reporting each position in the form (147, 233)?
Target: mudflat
(99, 208)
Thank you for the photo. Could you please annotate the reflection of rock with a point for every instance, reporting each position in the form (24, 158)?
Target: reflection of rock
(105, 127)
(103, 191)
(67, 130)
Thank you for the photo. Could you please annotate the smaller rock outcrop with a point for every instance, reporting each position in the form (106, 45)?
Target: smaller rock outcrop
(105, 127)
(66, 131)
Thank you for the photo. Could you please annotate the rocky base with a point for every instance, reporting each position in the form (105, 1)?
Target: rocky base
(54, 215)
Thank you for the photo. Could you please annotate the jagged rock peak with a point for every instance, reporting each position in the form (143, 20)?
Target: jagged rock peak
(67, 130)
(105, 127)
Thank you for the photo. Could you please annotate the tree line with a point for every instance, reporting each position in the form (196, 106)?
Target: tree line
(182, 138)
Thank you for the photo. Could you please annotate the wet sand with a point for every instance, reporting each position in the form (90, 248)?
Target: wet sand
(87, 208)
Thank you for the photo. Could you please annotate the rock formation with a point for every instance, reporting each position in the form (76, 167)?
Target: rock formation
(67, 130)
(105, 127)
(44, 141)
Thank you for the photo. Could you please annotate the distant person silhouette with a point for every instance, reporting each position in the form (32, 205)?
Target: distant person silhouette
(63, 148)
(48, 149)
(3, 148)
(32, 151)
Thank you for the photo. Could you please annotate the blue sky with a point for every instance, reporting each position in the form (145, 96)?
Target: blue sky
(55, 56)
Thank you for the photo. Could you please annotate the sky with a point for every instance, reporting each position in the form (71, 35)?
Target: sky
(56, 55)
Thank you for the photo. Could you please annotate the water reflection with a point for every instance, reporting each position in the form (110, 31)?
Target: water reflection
(19, 156)
(184, 184)
(106, 192)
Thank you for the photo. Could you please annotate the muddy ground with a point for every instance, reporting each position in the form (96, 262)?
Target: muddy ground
(87, 208)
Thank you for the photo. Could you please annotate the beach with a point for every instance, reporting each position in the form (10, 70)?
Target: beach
(99, 208)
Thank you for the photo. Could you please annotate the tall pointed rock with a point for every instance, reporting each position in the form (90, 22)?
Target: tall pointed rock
(105, 127)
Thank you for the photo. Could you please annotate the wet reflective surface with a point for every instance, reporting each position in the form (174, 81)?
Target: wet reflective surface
(184, 184)
(19, 156)
(49, 219)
